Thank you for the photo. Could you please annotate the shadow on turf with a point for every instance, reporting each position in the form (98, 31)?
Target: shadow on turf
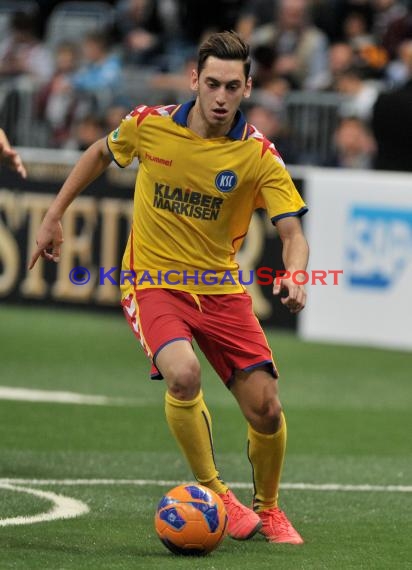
(44, 544)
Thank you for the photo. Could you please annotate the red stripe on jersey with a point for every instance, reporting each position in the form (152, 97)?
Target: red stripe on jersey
(141, 116)
(142, 111)
(276, 154)
(136, 111)
(265, 145)
(170, 108)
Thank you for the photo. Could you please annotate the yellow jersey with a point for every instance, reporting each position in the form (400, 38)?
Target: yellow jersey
(194, 198)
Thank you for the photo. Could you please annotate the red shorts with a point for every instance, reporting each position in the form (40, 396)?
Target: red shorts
(224, 326)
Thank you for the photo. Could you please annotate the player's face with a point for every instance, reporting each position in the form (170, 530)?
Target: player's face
(221, 86)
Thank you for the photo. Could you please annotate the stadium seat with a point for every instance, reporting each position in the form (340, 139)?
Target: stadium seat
(70, 21)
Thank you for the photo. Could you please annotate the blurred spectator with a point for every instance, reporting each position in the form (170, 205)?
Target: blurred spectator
(139, 25)
(341, 57)
(289, 48)
(57, 100)
(360, 94)
(330, 15)
(270, 121)
(254, 13)
(101, 69)
(356, 30)
(392, 126)
(85, 131)
(76, 93)
(398, 32)
(300, 48)
(370, 56)
(390, 24)
(397, 72)
(21, 52)
(354, 146)
(275, 90)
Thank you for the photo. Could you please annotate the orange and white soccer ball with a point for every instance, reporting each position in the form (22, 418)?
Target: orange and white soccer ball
(191, 519)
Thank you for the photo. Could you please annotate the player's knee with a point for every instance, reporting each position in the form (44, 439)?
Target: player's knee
(266, 417)
(271, 410)
(183, 379)
(273, 414)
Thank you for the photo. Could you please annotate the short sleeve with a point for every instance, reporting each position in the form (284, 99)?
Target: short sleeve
(123, 142)
(276, 191)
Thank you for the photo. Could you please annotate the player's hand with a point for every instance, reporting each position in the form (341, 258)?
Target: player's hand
(12, 159)
(49, 240)
(295, 299)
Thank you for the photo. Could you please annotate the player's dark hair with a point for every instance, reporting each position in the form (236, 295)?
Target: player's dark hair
(224, 45)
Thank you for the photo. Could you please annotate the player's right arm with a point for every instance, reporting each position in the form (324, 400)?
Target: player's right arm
(91, 164)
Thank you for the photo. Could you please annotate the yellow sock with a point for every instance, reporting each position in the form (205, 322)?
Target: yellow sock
(266, 453)
(191, 425)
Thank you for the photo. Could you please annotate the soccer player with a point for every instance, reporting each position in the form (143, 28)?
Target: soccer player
(203, 171)
(11, 157)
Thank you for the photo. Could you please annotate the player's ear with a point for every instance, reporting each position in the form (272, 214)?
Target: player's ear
(248, 88)
(194, 80)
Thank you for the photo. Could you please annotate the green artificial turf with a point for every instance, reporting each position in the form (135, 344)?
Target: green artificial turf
(349, 423)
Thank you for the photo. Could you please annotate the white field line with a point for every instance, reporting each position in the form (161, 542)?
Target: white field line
(56, 397)
(235, 485)
(63, 507)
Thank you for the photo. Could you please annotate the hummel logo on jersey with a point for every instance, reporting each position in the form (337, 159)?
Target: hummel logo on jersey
(226, 180)
(158, 160)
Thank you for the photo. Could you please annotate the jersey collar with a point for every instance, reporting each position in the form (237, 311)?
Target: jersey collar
(238, 132)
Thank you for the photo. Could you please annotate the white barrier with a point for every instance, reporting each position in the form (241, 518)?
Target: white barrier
(360, 222)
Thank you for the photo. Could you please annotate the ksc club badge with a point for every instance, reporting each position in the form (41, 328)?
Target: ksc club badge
(226, 180)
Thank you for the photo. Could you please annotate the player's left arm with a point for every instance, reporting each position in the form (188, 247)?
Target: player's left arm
(295, 255)
(11, 157)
